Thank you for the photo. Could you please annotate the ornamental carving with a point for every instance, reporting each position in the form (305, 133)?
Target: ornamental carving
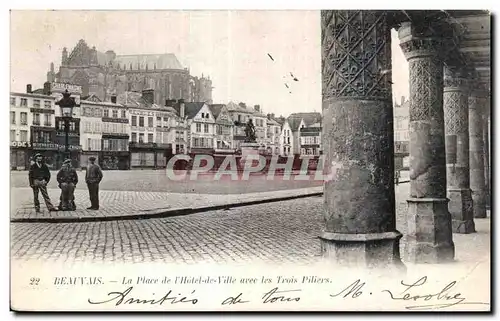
(421, 47)
(454, 79)
(456, 115)
(426, 89)
(356, 54)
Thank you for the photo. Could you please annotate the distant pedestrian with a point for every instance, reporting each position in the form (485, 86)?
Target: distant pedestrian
(67, 179)
(93, 177)
(39, 177)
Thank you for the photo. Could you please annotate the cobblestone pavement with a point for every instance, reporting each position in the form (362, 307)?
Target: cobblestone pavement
(157, 181)
(127, 203)
(281, 232)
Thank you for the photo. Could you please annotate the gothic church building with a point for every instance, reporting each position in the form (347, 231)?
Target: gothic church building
(104, 74)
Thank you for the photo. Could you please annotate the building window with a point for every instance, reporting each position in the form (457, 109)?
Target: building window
(198, 128)
(115, 113)
(165, 119)
(150, 138)
(141, 137)
(36, 119)
(105, 144)
(47, 121)
(134, 137)
(141, 121)
(12, 118)
(72, 126)
(24, 135)
(202, 115)
(106, 113)
(399, 123)
(239, 118)
(12, 101)
(124, 114)
(158, 121)
(205, 128)
(36, 103)
(134, 120)
(24, 102)
(47, 104)
(12, 135)
(150, 121)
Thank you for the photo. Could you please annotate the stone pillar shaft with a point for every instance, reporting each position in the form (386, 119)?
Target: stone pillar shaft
(486, 153)
(456, 115)
(429, 238)
(477, 103)
(360, 224)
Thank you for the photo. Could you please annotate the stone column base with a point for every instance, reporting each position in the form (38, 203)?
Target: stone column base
(430, 238)
(463, 227)
(376, 250)
(461, 210)
(479, 199)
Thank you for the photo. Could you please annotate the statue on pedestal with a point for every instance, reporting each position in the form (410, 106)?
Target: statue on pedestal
(250, 132)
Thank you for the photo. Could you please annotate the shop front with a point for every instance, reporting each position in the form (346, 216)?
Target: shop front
(114, 160)
(149, 155)
(85, 155)
(19, 155)
(50, 153)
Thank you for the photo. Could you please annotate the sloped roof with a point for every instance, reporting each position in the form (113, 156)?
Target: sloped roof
(216, 109)
(129, 98)
(192, 109)
(161, 61)
(273, 122)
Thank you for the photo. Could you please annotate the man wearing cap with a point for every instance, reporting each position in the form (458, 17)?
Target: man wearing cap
(67, 179)
(39, 177)
(93, 177)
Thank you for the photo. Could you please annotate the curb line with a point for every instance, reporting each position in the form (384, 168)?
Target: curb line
(162, 214)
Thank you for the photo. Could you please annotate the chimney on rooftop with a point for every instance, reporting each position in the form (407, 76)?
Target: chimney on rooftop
(28, 89)
(113, 99)
(170, 102)
(182, 108)
(148, 95)
(257, 108)
(46, 88)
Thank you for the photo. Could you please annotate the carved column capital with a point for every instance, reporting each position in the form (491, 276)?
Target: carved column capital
(455, 79)
(418, 40)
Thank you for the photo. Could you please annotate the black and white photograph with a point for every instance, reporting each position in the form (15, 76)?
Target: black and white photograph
(250, 160)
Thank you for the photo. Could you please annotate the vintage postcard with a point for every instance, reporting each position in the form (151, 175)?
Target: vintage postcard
(321, 160)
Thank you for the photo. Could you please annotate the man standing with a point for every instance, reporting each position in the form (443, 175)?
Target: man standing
(39, 177)
(93, 177)
(67, 179)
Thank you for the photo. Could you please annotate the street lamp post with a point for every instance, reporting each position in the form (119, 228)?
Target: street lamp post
(67, 103)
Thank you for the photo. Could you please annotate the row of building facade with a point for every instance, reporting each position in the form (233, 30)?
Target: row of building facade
(130, 130)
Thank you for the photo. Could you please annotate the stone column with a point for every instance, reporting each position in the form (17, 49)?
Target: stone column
(477, 103)
(429, 238)
(359, 200)
(456, 116)
(486, 153)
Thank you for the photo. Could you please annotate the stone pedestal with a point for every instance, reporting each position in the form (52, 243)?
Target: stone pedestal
(429, 222)
(246, 150)
(477, 103)
(359, 200)
(456, 115)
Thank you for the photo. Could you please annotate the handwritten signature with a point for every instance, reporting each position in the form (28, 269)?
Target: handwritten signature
(273, 296)
(446, 296)
(125, 298)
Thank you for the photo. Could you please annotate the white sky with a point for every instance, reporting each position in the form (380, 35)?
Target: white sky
(230, 46)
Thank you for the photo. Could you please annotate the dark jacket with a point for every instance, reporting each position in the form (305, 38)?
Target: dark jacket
(67, 176)
(38, 173)
(94, 174)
